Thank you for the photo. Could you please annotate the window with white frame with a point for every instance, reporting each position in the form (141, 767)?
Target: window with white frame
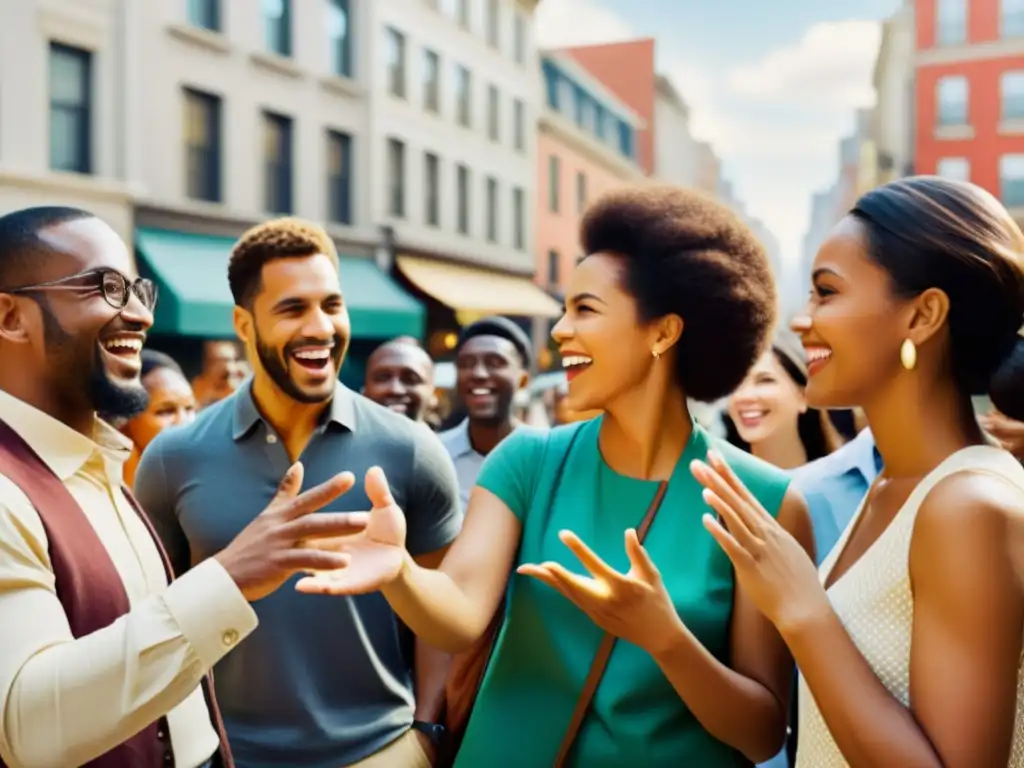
(951, 22)
(1011, 180)
(396, 178)
(431, 81)
(1011, 94)
(492, 209)
(463, 97)
(952, 100)
(957, 168)
(394, 51)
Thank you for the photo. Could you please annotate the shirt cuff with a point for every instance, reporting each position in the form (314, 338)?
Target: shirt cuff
(210, 611)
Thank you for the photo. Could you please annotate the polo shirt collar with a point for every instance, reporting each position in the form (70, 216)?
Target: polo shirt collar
(60, 447)
(459, 444)
(341, 410)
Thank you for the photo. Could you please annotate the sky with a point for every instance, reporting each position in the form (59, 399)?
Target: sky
(772, 86)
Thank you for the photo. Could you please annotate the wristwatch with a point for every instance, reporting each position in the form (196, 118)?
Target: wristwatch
(433, 731)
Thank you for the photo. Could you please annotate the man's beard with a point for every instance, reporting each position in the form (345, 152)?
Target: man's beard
(111, 400)
(278, 370)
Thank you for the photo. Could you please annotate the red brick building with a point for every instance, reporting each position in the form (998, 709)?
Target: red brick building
(969, 104)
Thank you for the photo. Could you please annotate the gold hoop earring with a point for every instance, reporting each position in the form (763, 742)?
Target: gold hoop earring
(908, 354)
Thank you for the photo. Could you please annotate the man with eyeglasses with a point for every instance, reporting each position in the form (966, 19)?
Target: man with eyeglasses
(102, 659)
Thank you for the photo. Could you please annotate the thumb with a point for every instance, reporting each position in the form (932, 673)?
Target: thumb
(291, 484)
(640, 562)
(377, 489)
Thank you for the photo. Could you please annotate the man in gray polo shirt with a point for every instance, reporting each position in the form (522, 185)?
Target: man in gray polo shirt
(323, 682)
(492, 360)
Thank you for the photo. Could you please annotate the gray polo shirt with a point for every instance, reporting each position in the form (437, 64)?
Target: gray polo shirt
(323, 681)
(466, 459)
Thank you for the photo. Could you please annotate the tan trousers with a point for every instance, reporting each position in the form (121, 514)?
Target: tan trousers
(404, 752)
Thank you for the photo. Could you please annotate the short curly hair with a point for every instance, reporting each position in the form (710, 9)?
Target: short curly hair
(275, 239)
(685, 254)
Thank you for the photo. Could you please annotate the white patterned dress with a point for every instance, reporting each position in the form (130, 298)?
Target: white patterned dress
(874, 602)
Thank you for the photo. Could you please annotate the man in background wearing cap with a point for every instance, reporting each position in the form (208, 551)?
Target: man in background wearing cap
(493, 358)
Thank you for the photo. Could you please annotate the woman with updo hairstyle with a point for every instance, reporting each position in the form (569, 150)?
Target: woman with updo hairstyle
(171, 404)
(674, 298)
(768, 415)
(909, 638)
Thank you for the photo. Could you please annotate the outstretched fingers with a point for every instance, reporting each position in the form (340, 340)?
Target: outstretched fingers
(319, 495)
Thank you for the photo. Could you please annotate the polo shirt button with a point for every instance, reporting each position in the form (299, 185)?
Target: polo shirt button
(271, 438)
(230, 637)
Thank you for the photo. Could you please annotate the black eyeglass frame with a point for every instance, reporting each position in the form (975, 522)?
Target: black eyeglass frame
(140, 287)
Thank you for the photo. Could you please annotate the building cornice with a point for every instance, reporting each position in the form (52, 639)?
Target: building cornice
(556, 125)
(955, 54)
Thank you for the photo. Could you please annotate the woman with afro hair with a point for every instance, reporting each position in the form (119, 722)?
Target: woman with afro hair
(674, 299)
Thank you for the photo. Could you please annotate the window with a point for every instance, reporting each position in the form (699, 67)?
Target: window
(952, 100)
(70, 109)
(951, 22)
(519, 124)
(553, 260)
(1011, 180)
(581, 191)
(493, 20)
(958, 168)
(277, 163)
(338, 28)
(431, 81)
(463, 94)
(396, 178)
(493, 113)
(518, 219)
(492, 210)
(204, 14)
(339, 177)
(202, 145)
(1011, 21)
(462, 13)
(519, 39)
(554, 182)
(462, 199)
(394, 47)
(277, 24)
(1011, 87)
(432, 188)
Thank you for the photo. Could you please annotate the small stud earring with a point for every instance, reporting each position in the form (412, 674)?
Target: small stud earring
(908, 354)
(655, 353)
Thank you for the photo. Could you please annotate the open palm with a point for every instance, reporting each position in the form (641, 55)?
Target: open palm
(376, 552)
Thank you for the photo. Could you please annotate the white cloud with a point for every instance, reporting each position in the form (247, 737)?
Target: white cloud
(830, 64)
(563, 23)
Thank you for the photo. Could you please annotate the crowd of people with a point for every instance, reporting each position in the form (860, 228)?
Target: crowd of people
(822, 565)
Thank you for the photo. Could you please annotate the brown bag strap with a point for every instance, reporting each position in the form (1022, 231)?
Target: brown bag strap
(604, 650)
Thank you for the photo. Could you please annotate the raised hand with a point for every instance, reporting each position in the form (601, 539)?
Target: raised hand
(633, 606)
(771, 566)
(282, 540)
(375, 555)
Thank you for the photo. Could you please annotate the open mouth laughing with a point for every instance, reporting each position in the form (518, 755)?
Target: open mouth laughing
(574, 365)
(124, 351)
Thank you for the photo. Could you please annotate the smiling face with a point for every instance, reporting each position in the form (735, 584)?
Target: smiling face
(489, 372)
(400, 377)
(171, 404)
(85, 350)
(298, 329)
(768, 400)
(850, 330)
(606, 351)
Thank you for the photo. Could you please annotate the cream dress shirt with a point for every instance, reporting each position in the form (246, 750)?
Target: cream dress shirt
(64, 701)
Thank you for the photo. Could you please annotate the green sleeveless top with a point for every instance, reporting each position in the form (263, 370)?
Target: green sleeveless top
(555, 480)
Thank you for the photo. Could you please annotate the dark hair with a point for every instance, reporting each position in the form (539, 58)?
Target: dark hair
(685, 254)
(153, 360)
(276, 239)
(20, 243)
(503, 328)
(817, 433)
(929, 232)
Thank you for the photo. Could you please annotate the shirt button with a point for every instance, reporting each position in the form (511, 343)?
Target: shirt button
(271, 438)
(230, 637)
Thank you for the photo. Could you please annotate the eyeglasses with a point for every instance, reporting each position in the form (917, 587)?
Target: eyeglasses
(115, 287)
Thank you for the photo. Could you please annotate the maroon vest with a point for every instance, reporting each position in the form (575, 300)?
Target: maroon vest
(90, 589)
